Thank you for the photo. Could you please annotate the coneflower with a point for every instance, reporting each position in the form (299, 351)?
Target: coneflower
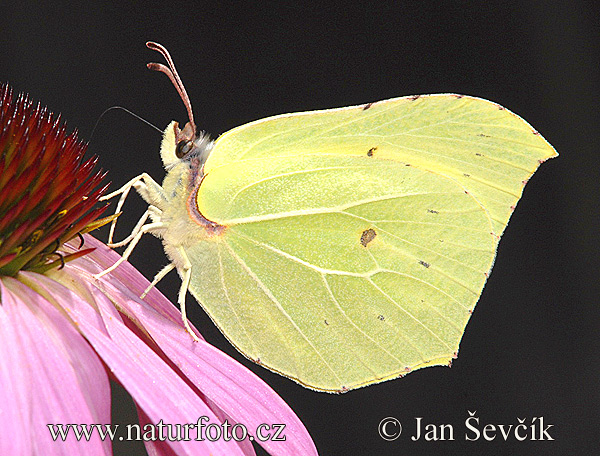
(46, 189)
(63, 334)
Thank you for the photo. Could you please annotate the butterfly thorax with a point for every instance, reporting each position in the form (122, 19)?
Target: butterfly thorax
(186, 224)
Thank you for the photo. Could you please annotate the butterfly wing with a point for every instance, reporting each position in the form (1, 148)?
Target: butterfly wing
(357, 241)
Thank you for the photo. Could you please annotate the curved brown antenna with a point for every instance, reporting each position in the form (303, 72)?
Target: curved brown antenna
(171, 72)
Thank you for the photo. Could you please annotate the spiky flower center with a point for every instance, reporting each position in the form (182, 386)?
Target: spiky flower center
(47, 189)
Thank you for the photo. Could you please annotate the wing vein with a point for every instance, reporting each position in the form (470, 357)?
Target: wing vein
(409, 314)
(374, 223)
(291, 173)
(485, 146)
(279, 307)
(228, 298)
(330, 292)
(322, 210)
(391, 271)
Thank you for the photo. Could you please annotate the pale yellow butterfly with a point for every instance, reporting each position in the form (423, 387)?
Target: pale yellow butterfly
(342, 247)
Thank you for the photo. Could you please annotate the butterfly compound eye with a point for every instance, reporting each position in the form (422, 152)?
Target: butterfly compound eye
(183, 148)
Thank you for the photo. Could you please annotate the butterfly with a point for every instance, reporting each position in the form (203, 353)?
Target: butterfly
(342, 247)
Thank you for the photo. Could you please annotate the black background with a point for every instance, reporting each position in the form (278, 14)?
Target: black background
(532, 345)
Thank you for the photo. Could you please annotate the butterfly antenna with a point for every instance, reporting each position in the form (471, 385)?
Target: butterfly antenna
(171, 72)
(128, 112)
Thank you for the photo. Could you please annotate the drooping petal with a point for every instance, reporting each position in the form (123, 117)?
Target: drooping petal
(154, 447)
(153, 384)
(235, 389)
(132, 282)
(14, 385)
(245, 444)
(158, 448)
(66, 384)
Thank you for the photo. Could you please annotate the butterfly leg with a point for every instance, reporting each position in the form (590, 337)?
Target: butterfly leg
(185, 283)
(157, 278)
(148, 189)
(149, 228)
(153, 212)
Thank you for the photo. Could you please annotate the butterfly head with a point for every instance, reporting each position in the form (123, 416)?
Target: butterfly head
(183, 145)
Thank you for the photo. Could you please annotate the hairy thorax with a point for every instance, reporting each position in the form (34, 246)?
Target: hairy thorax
(186, 225)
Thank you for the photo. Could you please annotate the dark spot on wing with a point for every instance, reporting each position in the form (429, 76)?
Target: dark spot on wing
(466, 175)
(422, 263)
(414, 97)
(367, 236)
(431, 211)
(501, 108)
(458, 96)
(371, 151)
(381, 317)
(326, 322)
(483, 135)
(367, 106)
(478, 154)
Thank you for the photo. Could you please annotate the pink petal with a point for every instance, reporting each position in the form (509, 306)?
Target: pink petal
(157, 448)
(66, 382)
(154, 447)
(14, 384)
(235, 389)
(246, 444)
(135, 283)
(154, 385)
